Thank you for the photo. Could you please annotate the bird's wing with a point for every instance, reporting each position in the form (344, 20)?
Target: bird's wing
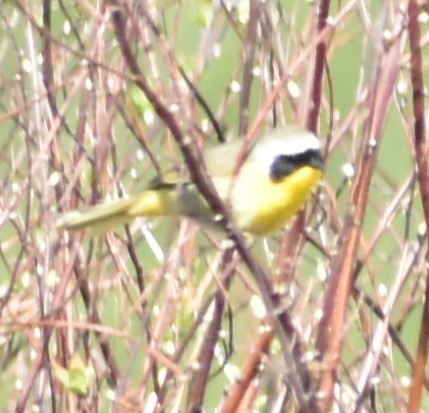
(223, 160)
(220, 161)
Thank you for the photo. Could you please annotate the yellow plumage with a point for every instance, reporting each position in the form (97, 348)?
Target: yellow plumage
(276, 179)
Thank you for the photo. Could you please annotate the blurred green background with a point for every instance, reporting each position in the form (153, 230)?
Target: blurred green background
(112, 156)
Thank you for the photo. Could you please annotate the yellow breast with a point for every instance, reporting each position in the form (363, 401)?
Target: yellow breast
(261, 205)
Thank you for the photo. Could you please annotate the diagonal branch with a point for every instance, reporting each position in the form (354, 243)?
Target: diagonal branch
(295, 374)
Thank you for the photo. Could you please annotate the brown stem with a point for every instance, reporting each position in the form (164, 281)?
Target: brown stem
(338, 294)
(420, 145)
(313, 116)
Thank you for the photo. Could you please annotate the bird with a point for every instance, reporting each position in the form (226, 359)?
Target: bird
(280, 171)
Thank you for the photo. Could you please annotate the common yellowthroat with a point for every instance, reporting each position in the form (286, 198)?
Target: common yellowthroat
(281, 170)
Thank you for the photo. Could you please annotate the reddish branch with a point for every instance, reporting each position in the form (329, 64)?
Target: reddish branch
(420, 146)
(249, 372)
(338, 294)
(313, 116)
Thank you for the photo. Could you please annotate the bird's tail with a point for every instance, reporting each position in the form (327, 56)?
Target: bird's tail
(106, 216)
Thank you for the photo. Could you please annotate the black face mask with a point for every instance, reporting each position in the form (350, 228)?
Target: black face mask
(284, 165)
